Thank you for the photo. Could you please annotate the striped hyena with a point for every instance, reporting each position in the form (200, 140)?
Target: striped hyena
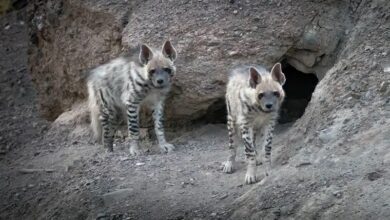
(118, 88)
(253, 98)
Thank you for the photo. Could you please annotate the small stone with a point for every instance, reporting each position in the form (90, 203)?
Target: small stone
(34, 124)
(306, 163)
(124, 158)
(386, 68)
(233, 53)
(101, 216)
(213, 214)
(223, 197)
(374, 176)
(368, 48)
(139, 164)
(7, 27)
(338, 194)
(235, 12)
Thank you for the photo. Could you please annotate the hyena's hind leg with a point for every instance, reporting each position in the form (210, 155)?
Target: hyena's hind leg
(108, 123)
(94, 112)
(109, 127)
(229, 164)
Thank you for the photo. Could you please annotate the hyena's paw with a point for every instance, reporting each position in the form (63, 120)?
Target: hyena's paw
(228, 167)
(109, 148)
(135, 151)
(250, 178)
(259, 161)
(166, 147)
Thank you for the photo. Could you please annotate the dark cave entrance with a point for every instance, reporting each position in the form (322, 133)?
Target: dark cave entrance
(216, 113)
(299, 87)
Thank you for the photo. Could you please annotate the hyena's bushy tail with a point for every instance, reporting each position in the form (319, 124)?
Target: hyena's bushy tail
(94, 109)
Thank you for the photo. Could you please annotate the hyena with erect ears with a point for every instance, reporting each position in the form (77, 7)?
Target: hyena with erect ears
(253, 99)
(118, 88)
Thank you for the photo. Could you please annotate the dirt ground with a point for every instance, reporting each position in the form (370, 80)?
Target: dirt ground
(44, 174)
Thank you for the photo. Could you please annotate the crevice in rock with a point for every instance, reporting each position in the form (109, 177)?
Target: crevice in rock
(216, 113)
(299, 87)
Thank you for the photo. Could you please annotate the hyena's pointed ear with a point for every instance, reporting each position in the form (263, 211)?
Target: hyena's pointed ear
(145, 54)
(277, 74)
(255, 77)
(169, 51)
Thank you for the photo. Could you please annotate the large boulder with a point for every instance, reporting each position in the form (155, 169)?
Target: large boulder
(69, 37)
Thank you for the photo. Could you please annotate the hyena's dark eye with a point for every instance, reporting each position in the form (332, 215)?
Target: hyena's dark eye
(151, 72)
(260, 96)
(276, 93)
(169, 71)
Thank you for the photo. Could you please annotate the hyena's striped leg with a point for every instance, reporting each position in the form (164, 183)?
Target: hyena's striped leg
(257, 140)
(268, 135)
(159, 128)
(250, 152)
(133, 126)
(229, 164)
(107, 117)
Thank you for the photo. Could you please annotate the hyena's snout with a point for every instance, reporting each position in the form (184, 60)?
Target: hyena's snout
(161, 79)
(269, 106)
(269, 101)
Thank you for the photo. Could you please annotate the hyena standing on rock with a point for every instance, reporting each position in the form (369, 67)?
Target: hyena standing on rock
(118, 88)
(253, 98)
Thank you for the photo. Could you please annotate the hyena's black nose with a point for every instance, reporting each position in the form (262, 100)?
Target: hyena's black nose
(269, 106)
(160, 81)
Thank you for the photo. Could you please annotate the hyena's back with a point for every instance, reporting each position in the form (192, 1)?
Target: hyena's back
(109, 80)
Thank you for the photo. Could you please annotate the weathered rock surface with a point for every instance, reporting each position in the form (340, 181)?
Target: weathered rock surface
(68, 37)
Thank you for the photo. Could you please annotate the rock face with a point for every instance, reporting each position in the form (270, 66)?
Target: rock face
(334, 158)
(68, 37)
(65, 40)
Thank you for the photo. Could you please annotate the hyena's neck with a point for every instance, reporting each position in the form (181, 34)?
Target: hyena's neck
(246, 101)
(139, 72)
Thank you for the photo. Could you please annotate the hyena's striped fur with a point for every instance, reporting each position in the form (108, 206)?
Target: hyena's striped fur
(253, 99)
(118, 88)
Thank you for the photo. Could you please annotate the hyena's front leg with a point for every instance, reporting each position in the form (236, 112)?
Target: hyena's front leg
(250, 152)
(268, 135)
(229, 164)
(257, 140)
(133, 126)
(159, 128)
